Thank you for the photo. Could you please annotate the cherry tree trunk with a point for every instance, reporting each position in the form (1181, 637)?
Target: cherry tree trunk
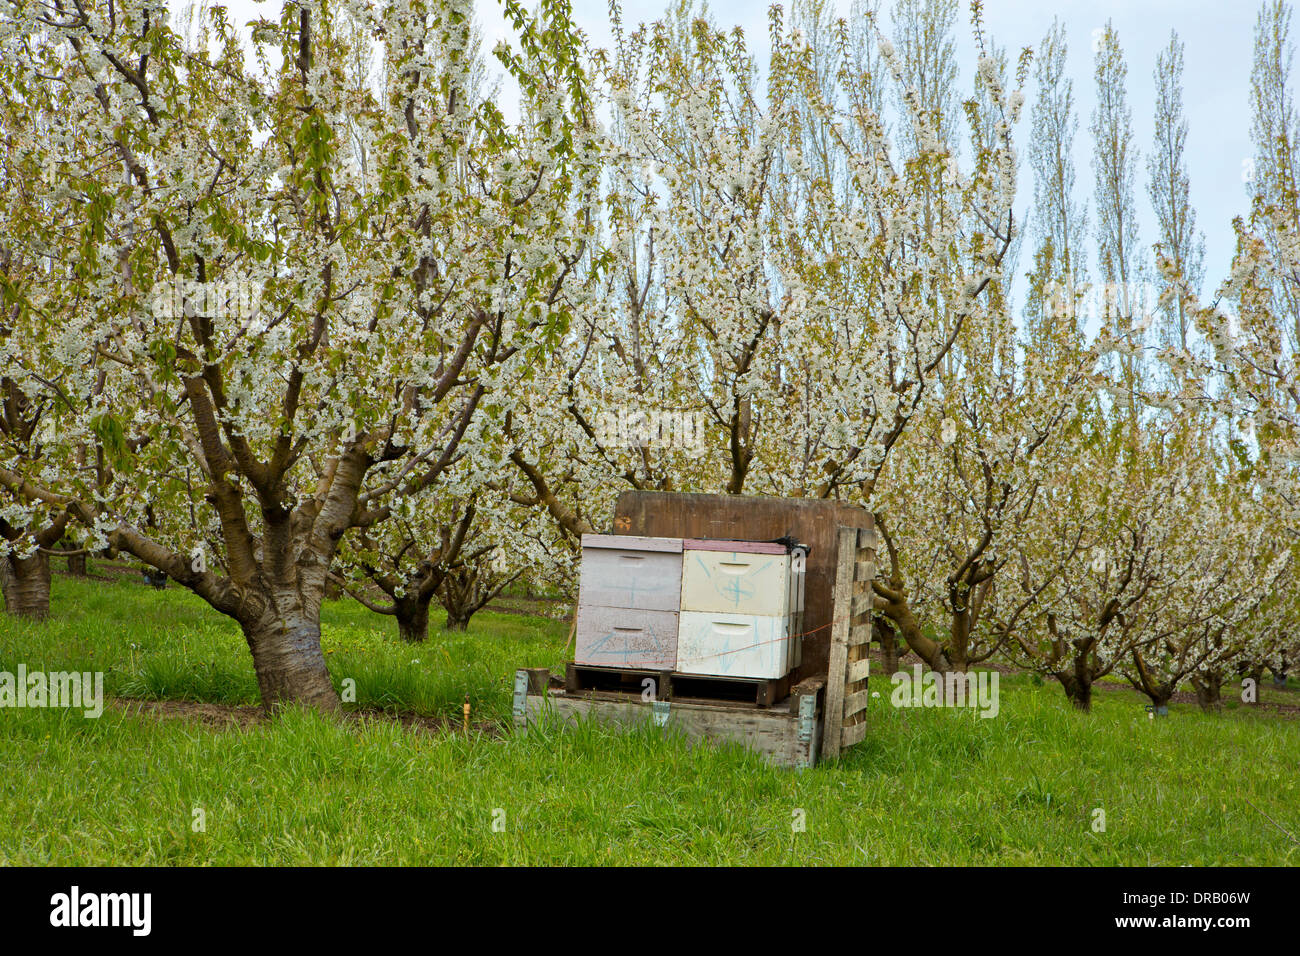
(1078, 689)
(932, 652)
(26, 585)
(458, 620)
(287, 656)
(1209, 691)
(413, 618)
(1160, 696)
(959, 645)
(888, 639)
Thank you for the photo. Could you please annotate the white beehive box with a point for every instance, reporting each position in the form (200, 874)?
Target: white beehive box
(733, 645)
(629, 593)
(741, 605)
(736, 582)
(626, 637)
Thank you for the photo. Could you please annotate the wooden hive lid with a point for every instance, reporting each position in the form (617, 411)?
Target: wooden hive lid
(735, 547)
(631, 542)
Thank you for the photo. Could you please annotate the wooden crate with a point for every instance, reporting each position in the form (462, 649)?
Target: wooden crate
(787, 735)
(811, 521)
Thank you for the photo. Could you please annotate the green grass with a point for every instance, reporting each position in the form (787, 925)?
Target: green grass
(171, 645)
(927, 786)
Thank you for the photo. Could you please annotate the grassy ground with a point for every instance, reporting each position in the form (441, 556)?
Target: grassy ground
(170, 645)
(927, 787)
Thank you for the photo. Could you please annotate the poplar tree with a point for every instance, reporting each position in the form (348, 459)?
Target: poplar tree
(1275, 132)
(1058, 222)
(1169, 187)
(1114, 163)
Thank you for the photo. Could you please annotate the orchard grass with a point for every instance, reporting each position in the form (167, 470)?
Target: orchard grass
(170, 645)
(937, 787)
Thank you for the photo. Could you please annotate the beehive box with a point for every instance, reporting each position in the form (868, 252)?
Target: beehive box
(733, 645)
(629, 593)
(735, 577)
(813, 521)
(737, 603)
(825, 711)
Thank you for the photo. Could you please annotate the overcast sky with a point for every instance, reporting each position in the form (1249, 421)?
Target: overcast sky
(1218, 38)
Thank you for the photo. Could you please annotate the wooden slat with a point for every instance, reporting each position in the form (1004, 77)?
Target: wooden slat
(867, 538)
(864, 571)
(853, 703)
(735, 547)
(839, 649)
(860, 634)
(858, 670)
(853, 734)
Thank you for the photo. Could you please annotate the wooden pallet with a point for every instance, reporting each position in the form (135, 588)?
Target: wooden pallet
(846, 686)
(667, 685)
(634, 681)
(788, 734)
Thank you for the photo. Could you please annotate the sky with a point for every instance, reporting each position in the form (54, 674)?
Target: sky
(1218, 38)
(1219, 47)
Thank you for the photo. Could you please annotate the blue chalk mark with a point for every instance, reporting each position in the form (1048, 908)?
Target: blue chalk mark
(615, 646)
